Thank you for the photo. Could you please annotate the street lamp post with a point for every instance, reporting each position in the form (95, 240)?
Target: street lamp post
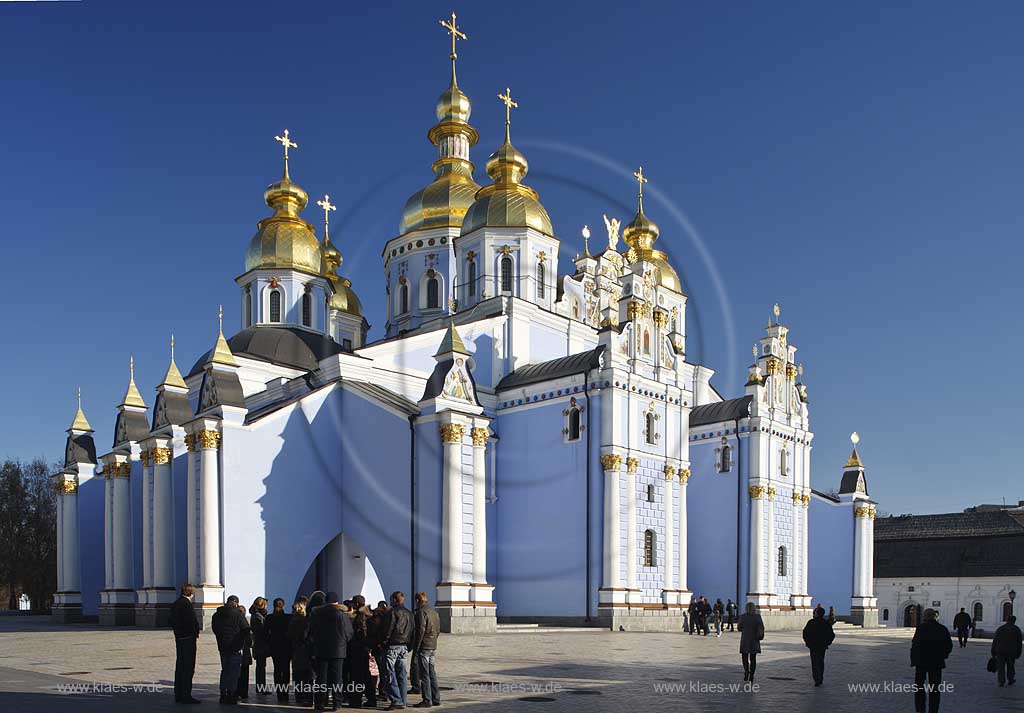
(1012, 595)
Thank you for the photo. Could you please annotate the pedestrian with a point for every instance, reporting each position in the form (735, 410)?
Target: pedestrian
(330, 630)
(231, 631)
(832, 616)
(962, 626)
(377, 630)
(751, 628)
(280, 646)
(731, 611)
(719, 615)
(316, 599)
(818, 636)
(302, 673)
(363, 663)
(260, 644)
(1006, 647)
(929, 650)
(705, 615)
(424, 646)
(242, 685)
(185, 625)
(692, 611)
(398, 638)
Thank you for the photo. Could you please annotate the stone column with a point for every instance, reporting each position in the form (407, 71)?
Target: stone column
(864, 606)
(191, 509)
(669, 595)
(147, 528)
(68, 600)
(684, 591)
(773, 555)
(451, 532)
(611, 595)
(210, 589)
(481, 591)
(631, 540)
(758, 583)
(108, 531)
(117, 605)
(163, 591)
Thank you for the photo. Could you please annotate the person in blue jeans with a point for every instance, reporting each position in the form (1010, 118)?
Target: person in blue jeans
(397, 639)
(428, 626)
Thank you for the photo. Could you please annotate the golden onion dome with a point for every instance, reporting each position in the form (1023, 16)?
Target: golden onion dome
(345, 299)
(664, 274)
(641, 232)
(507, 203)
(284, 240)
(453, 105)
(639, 235)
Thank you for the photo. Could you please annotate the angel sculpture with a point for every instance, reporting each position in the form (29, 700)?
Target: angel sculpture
(613, 232)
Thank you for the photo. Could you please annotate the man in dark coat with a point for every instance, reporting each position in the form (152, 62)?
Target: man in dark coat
(818, 636)
(232, 631)
(1006, 647)
(692, 616)
(398, 635)
(185, 625)
(730, 614)
(275, 628)
(330, 629)
(424, 647)
(929, 650)
(962, 625)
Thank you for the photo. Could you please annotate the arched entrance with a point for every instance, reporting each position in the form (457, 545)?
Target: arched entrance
(911, 615)
(343, 567)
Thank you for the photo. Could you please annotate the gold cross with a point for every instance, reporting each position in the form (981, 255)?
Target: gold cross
(288, 144)
(454, 31)
(509, 104)
(328, 207)
(640, 179)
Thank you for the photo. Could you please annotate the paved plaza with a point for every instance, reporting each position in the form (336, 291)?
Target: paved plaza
(42, 664)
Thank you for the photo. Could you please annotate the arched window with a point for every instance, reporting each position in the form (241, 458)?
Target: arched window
(575, 426)
(307, 309)
(647, 342)
(540, 280)
(978, 612)
(784, 461)
(650, 492)
(649, 430)
(726, 458)
(403, 298)
(506, 274)
(650, 553)
(247, 305)
(1007, 611)
(885, 615)
(275, 306)
(472, 278)
(782, 561)
(433, 289)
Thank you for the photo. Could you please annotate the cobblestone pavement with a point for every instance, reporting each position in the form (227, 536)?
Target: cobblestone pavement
(560, 671)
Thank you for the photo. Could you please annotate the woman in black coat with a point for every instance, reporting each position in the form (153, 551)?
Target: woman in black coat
(316, 599)
(276, 630)
(242, 691)
(260, 645)
(302, 669)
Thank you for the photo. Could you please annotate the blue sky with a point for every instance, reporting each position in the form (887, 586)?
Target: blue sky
(859, 165)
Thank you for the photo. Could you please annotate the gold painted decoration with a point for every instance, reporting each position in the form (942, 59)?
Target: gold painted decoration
(190, 442)
(480, 436)
(611, 461)
(862, 512)
(121, 469)
(684, 475)
(144, 458)
(66, 487)
(670, 472)
(452, 432)
(790, 372)
(632, 464)
(771, 493)
(209, 440)
(161, 456)
(756, 491)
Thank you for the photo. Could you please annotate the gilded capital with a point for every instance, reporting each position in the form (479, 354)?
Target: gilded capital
(161, 456)
(791, 371)
(208, 440)
(120, 470)
(480, 436)
(190, 442)
(452, 432)
(611, 461)
(871, 512)
(771, 493)
(862, 512)
(144, 457)
(684, 475)
(632, 464)
(66, 487)
(807, 500)
(660, 319)
(670, 472)
(774, 366)
(756, 491)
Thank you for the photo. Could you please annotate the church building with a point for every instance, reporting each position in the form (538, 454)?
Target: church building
(526, 440)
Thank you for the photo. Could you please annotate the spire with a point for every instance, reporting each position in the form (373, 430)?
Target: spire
(451, 342)
(506, 99)
(641, 232)
(81, 423)
(287, 143)
(132, 397)
(173, 376)
(456, 34)
(221, 353)
(854, 461)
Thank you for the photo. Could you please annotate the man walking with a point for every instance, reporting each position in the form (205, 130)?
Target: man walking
(397, 639)
(818, 636)
(731, 611)
(424, 646)
(929, 650)
(962, 624)
(330, 630)
(185, 625)
(1006, 647)
(232, 631)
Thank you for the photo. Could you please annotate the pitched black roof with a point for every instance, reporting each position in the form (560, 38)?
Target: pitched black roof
(721, 411)
(554, 369)
(288, 346)
(949, 525)
(849, 482)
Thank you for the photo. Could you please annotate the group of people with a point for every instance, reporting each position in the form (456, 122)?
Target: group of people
(324, 651)
(701, 615)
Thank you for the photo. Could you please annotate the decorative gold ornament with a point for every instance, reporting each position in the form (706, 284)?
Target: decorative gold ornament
(660, 319)
(67, 487)
(327, 206)
(611, 461)
(790, 372)
(144, 458)
(670, 472)
(121, 469)
(862, 512)
(774, 366)
(456, 34)
(771, 493)
(632, 464)
(506, 99)
(287, 143)
(452, 432)
(190, 442)
(684, 475)
(871, 512)
(209, 440)
(797, 498)
(756, 491)
(480, 436)
(161, 456)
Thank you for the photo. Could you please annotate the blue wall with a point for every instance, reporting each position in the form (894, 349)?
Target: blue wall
(713, 550)
(830, 554)
(90, 543)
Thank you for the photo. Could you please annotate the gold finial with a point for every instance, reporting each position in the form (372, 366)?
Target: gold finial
(221, 352)
(854, 461)
(288, 144)
(641, 180)
(81, 423)
(456, 35)
(173, 376)
(854, 438)
(328, 207)
(506, 98)
(776, 311)
(586, 240)
(132, 397)
(172, 347)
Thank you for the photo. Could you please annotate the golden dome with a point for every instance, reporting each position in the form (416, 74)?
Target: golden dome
(639, 235)
(284, 240)
(453, 105)
(664, 274)
(507, 203)
(641, 231)
(345, 299)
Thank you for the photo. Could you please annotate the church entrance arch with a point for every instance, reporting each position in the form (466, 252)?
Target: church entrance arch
(342, 566)
(911, 615)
